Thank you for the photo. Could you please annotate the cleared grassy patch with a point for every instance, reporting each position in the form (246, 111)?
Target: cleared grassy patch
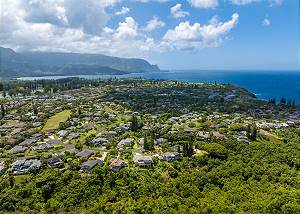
(20, 178)
(54, 121)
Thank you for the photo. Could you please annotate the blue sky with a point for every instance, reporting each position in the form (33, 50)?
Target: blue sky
(195, 34)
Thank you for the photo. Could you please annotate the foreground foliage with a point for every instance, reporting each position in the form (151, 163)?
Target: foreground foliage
(261, 177)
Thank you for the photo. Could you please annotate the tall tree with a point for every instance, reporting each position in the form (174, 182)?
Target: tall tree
(135, 124)
(2, 110)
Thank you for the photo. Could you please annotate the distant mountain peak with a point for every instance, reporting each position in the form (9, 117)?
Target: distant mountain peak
(15, 64)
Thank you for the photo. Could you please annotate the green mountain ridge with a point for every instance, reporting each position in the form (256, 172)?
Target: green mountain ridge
(13, 64)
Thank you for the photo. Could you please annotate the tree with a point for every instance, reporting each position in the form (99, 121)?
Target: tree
(148, 143)
(135, 124)
(283, 101)
(252, 131)
(2, 110)
(188, 149)
(35, 110)
(11, 180)
(272, 101)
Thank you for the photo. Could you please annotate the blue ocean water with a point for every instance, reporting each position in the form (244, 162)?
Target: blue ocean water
(265, 84)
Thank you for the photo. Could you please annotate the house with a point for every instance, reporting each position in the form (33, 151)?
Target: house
(100, 141)
(55, 161)
(37, 124)
(143, 161)
(229, 97)
(55, 142)
(62, 133)
(88, 126)
(103, 122)
(170, 156)
(112, 116)
(203, 136)
(217, 134)
(42, 146)
(160, 141)
(17, 149)
(122, 129)
(116, 164)
(28, 142)
(89, 165)
(23, 166)
(72, 136)
(125, 143)
(85, 154)
(111, 134)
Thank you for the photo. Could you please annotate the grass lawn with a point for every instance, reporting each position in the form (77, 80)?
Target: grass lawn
(20, 178)
(54, 121)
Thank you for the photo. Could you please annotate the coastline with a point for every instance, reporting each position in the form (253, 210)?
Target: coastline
(264, 84)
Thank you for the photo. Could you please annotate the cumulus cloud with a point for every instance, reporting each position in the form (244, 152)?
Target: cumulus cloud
(90, 15)
(204, 3)
(177, 11)
(58, 25)
(153, 24)
(22, 30)
(123, 11)
(189, 37)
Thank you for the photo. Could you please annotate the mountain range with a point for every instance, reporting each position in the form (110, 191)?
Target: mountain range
(13, 64)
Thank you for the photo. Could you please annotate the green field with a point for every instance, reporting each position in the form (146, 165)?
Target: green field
(54, 121)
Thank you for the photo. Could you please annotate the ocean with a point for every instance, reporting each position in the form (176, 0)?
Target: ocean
(264, 84)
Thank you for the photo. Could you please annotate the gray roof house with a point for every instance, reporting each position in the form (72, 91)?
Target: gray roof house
(85, 154)
(122, 129)
(160, 140)
(62, 133)
(143, 161)
(23, 165)
(170, 156)
(30, 141)
(55, 161)
(100, 141)
(125, 143)
(17, 149)
(111, 134)
(89, 165)
(42, 146)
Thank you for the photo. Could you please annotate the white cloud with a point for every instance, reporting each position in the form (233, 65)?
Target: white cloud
(204, 3)
(127, 29)
(275, 2)
(153, 24)
(177, 12)
(189, 37)
(245, 2)
(90, 15)
(63, 27)
(123, 11)
(21, 34)
(266, 22)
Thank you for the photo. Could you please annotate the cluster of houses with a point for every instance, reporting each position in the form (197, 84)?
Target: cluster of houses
(98, 132)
